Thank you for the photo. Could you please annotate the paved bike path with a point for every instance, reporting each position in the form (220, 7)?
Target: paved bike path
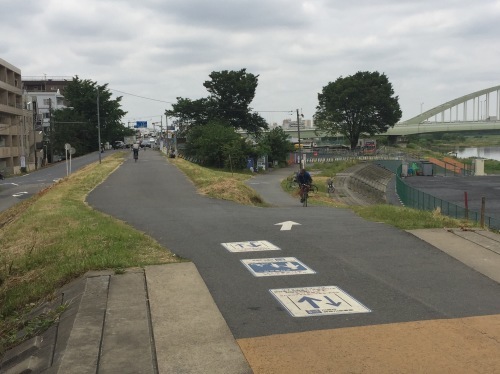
(417, 300)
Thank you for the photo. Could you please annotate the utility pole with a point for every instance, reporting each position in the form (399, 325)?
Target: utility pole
(35, 119)
(50, 134)
(161, 133)
(166, 139)
(98, 126)
(298, 134)
(23, 127)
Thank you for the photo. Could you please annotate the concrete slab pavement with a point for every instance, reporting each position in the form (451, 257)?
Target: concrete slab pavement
(190, 334)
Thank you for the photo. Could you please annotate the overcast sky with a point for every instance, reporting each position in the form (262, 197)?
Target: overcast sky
(432, 51)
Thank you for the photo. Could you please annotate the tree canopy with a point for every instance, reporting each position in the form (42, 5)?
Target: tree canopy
(231, 93)
(363, 103)
(77, 124)
(276, 145)
(217, 144)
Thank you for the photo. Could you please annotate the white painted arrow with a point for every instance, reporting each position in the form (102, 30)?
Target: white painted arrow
(20, 194)
(286, 226)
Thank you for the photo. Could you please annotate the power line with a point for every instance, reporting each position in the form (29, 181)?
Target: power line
(169, 102)
(141, 97)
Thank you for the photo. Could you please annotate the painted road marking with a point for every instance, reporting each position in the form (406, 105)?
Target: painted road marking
(251, 246)
(265, 267)
(19, 194)
(287, 225)
(318, 301)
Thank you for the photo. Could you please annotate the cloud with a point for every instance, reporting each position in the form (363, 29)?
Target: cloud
(431, 51)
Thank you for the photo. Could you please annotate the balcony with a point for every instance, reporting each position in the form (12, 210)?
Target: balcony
(5, 152)
(12, 109)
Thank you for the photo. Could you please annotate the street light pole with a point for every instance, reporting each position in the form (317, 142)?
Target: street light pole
(23, 149)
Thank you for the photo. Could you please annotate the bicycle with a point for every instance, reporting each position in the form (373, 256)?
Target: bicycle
(291, 182)
(304, 192)
(329, 186)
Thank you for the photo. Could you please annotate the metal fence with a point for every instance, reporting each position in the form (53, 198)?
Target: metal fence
(413, 198)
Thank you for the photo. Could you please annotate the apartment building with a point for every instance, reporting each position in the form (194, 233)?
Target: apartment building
(11, 117)
(21, 123)
(46, 95)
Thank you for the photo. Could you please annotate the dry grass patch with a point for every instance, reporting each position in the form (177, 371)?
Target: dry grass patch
(220, 184)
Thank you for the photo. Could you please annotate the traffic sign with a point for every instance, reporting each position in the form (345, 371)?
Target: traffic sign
(318, 301)
(250, 246)
(265, 267)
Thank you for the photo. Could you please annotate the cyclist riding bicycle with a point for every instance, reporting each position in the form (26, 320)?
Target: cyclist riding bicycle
(305, 181)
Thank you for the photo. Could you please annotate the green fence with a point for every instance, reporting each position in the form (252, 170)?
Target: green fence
(413, 198)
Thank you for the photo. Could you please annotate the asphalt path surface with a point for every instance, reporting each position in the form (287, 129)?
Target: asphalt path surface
(17, 188)
(454, 189)
(391, 275)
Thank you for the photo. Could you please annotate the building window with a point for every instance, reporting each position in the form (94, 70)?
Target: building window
(46, 101)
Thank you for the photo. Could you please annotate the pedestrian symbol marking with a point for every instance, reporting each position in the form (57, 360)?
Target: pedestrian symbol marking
(318, 301)
(251, 246)
(265, 267)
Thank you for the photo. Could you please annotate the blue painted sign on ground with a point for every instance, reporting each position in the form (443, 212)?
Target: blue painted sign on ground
(265, 267)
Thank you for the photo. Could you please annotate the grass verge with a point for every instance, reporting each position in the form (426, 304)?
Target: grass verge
(400, 217)
(408, 218)
(220, 184)
(55, 237)
(230, 186)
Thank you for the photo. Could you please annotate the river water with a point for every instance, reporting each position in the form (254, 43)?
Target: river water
(491, 153)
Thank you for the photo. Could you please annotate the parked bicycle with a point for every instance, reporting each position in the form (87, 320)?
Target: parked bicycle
(329, 186)
(291, 182)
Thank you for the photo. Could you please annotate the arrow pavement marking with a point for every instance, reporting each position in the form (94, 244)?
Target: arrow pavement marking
(19, 194)
(287, 225)
(317, 301)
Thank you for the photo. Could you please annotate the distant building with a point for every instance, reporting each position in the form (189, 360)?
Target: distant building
(46, 95)
(288, 124)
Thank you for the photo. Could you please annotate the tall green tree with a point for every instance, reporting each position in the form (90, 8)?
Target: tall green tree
(78, 124)
(276, 145)
(231, 93)
(190, 113)
(217, 144)
(363, 103)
